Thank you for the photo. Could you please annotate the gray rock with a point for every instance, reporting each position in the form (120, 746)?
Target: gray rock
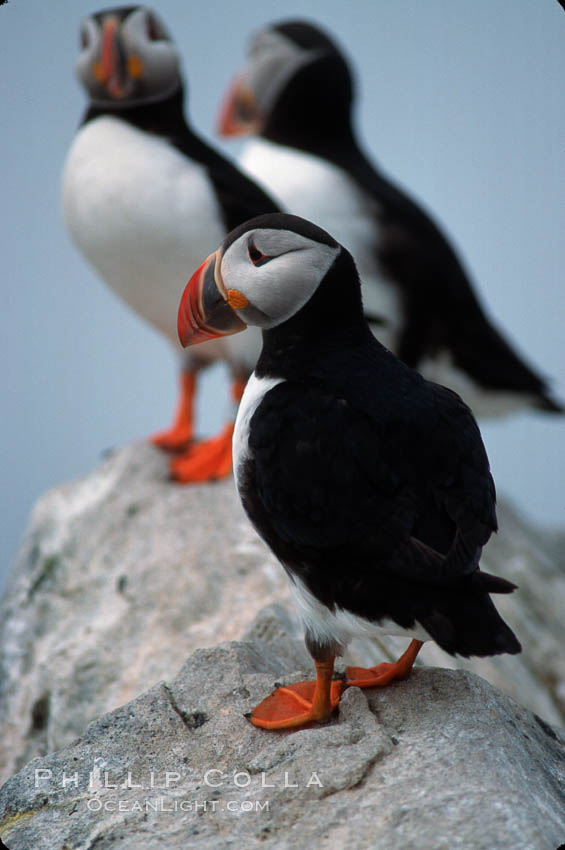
(440, 761)
(121, 575)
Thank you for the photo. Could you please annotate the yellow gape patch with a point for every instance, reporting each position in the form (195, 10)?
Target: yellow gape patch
(236, 299)
(135, 67)
(98, 72)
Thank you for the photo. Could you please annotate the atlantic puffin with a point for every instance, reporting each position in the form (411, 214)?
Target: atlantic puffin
(142, 194)
(296, 96)
(370, 484)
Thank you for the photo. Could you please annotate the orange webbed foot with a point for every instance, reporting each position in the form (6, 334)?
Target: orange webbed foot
(205, 461)
(173, 439)
(296, 705)
(383, 674)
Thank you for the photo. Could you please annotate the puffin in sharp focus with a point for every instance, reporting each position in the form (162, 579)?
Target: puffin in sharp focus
(142, 194)
(296, 96)
(370, 484)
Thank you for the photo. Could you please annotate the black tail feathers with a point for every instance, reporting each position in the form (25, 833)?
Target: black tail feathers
(488, 583)
(464, 621)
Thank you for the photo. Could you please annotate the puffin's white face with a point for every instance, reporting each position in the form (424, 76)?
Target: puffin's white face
(263, 277)
(273, 60)
(276, 271)
(127, 57)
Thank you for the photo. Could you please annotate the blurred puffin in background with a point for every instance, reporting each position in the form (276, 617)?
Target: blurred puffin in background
(369, 483)
(143, 196)
(295, 95)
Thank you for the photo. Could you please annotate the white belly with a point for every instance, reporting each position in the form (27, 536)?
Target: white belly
(319, 191)
(145, 217)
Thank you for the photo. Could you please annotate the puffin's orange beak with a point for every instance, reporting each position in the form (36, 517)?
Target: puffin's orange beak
(239, 113)
(114, 65)
(204, 311)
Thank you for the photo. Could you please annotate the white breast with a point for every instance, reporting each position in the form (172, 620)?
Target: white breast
(145, 216)
(325, 194)
(252, 397)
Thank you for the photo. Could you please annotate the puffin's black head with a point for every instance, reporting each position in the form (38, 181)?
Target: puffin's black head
(296, 85)
(267, 272)
(127, 58)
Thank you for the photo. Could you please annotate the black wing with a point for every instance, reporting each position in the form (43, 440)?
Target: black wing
(442, 309)
(336, 484)
(336, 494)
(240, 198)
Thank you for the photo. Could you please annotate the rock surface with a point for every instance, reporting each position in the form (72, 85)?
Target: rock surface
(440, 761)
(121, 575)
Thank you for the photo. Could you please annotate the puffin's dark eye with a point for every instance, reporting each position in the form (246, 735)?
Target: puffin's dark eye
(256, 256)
(83, 39)
(153, 30)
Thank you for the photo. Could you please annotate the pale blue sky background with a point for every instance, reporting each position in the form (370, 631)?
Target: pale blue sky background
(463, 103)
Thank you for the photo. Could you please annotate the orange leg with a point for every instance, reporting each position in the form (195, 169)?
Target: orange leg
(304, 702)
(180, 433)
(237, 389)
(382, 674)
(209, 459)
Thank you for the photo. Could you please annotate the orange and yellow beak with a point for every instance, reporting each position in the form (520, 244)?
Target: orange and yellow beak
(239, 112)
(114, 66)
(206, 310)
